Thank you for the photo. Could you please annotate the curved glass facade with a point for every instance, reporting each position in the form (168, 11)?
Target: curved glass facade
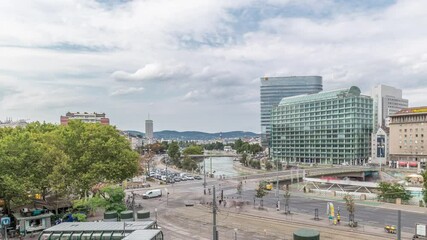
(273, 89)
(326, 128)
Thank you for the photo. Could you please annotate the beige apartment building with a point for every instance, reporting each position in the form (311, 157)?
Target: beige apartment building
(408, 138)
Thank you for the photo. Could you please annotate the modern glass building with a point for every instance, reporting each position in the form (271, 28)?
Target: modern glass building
(332, 127)
(273, 89)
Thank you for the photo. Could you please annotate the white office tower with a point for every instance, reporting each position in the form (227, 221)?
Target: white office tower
(387, 101)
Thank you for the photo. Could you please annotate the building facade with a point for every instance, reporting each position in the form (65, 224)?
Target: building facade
(332, 127)
(85, 117)
(149, 134)
(387, 101)
(273, 89)
(408, 135)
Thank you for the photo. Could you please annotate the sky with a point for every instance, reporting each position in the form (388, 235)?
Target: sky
(196, 64)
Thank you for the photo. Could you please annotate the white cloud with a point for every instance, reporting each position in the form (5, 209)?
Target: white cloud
(58, 56)
(126, 91)
(154, 71)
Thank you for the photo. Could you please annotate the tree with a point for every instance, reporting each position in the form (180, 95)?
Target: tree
(424, 174)
(173, 152)
(193, 150)
(287, 196)
(244, 160)
(349, 203)
(260, 192)
(109, 198)
(61, 160)
(240, 188)
(189, 164)
(268, 166)
(391, 191)
(255, 148)
(97, 153)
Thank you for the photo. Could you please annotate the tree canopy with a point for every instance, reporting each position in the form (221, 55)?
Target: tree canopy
(193, 150)
(391, 191)
(245, 147)
(49, 159)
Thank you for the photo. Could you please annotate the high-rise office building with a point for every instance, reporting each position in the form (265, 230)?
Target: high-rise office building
(332, 127)
(85, 117)
(387, 101)
(273, 89)
(149, 130)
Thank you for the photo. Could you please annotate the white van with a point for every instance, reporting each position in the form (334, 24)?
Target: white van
(152, 193)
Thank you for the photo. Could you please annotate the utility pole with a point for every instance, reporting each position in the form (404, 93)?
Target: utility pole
(399, 225)
(204, 176)
(211, 166)
(214, 231)
(277, 187)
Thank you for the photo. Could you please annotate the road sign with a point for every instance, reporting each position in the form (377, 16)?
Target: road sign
(5, 221)
(420, 229)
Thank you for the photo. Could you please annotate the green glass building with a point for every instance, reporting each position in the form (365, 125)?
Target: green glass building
(331, 127)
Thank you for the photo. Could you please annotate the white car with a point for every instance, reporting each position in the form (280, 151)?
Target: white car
(189, 177)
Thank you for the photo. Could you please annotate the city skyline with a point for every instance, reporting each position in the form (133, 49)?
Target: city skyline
(128, 58)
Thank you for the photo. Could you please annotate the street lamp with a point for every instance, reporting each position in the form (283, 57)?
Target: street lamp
(277, 182)
(155, 210)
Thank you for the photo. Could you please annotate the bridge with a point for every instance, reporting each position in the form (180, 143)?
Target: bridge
(208, 154)
(216, 155)
(288, 175)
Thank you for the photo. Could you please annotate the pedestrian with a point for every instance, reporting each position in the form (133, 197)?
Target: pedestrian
(204, 191)
(338, 218)
(225, 203)
(220, 201)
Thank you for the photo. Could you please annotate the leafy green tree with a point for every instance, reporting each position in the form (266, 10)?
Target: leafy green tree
(97, 153)
(18, 153)
(193, 150)
(424, 174)
(173, 151)
(391, 191)
(349, 203)
(260, 191)
(189, 164)
(109, 198)
(244, 159)
(240, 188)
(268, 166)
(255, 148)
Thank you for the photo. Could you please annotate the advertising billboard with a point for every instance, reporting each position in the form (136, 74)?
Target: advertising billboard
(380, 146)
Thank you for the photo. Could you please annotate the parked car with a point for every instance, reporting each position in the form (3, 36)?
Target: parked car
(177, 179)
(189, 177)
(152, 193)
(197, 177)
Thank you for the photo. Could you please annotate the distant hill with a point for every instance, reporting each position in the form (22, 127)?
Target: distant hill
(193, 135)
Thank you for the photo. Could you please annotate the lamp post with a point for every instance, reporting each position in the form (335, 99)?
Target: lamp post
(277, 182)
(155, 210)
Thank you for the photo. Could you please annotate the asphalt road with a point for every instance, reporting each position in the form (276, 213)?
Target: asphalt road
(364, 215)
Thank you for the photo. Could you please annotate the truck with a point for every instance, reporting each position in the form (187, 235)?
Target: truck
(152, 193)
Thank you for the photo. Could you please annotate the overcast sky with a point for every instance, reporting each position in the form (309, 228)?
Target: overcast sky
(196, 64)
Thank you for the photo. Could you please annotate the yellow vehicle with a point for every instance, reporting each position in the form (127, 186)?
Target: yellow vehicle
(390, 229)
(265, 185)
(269, 186)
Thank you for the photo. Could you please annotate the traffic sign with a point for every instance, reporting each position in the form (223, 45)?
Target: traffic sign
(5, 221)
